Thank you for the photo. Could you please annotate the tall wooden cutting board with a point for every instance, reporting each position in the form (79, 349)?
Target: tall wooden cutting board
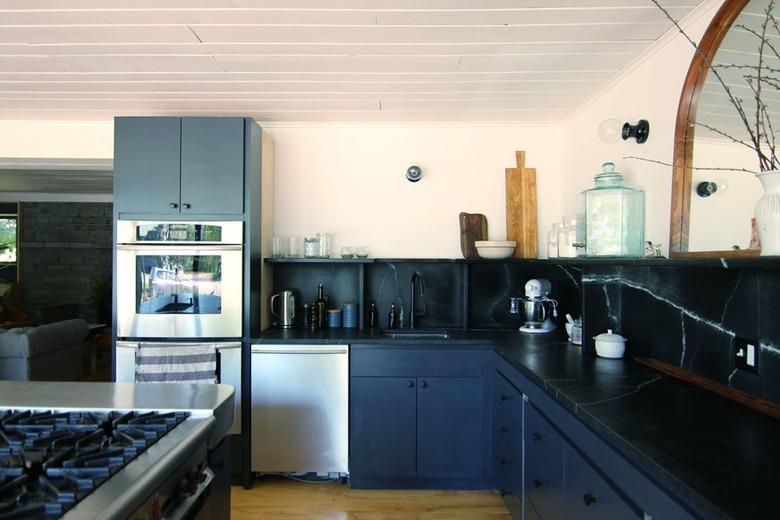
(521, 208)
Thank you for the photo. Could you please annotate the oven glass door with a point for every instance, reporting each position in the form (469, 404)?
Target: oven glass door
(179, 292)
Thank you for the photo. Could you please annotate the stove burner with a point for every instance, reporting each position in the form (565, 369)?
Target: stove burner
(51, 460)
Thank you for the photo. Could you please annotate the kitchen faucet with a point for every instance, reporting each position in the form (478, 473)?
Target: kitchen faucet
(415, 277)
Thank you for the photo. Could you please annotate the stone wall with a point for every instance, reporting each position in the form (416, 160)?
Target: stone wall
(65, 249)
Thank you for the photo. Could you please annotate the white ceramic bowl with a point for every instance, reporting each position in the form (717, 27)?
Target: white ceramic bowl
(495, 249)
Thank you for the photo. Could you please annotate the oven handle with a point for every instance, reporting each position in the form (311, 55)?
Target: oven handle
(193, 247)
(191, 505)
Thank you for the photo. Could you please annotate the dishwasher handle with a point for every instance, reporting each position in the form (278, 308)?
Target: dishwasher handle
(292, 349)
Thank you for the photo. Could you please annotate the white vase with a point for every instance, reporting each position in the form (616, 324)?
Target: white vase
(768, 213)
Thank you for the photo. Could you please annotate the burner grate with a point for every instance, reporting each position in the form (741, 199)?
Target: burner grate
(50, 460)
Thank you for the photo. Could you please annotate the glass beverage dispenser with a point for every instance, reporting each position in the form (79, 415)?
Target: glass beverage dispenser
(611, 217)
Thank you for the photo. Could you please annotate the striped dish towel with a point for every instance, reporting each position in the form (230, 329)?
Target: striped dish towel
(176, 364)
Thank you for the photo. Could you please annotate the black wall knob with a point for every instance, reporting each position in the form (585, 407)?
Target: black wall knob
(425, 384)
(410, 384)
(588, 499)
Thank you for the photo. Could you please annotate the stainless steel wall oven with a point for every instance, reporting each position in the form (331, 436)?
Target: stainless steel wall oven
(179, 280)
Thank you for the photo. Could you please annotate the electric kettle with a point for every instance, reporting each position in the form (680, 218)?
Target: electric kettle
(285, 316)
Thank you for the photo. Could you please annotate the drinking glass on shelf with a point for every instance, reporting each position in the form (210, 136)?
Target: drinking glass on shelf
(294, 247)
(361, 252)
(325, 244)
(311, 247)
(346, 252)
(278, 249)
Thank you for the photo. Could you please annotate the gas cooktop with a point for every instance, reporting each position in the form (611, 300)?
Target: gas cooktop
(51, 460)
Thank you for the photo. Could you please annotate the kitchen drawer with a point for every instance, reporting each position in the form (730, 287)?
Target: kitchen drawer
(544, 465)
(508, 463)
(509, 397)
(414, 362)
(508, 430)
(588, 495)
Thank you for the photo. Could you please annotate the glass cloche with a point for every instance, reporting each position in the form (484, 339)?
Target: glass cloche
(611, 217)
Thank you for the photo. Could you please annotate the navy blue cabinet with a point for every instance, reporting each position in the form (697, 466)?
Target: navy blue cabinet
(449, 422)
(549, 466)
(383, 434)
(179, 166)
(411, 424)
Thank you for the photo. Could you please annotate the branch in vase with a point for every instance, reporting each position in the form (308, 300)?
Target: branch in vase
(733, 100)
(700, 168)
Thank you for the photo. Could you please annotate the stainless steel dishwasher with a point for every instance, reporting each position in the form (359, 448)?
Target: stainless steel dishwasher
(300, 407)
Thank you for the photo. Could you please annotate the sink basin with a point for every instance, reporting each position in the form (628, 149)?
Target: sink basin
(415, 334)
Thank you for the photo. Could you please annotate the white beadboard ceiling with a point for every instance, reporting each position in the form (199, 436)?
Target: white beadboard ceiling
(318, 60)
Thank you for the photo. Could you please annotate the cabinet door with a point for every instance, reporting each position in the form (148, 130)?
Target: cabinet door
(588, 495)
(450, 427)
(382, 426)
(212, 165)
(544, 465)
(146, 164)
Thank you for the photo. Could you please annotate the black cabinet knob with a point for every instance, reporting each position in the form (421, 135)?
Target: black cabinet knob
(536, 437)
(173, 205)
(425, 384)
(410, 384)
(503, 429)
(537, 483)
(588, 499)
(504, 397)
(186, 206)
(503, 462)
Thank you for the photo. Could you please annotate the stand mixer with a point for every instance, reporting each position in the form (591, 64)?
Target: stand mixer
(538, 309)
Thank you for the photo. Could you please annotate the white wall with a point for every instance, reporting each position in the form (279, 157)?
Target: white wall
(650, 89)
(350, 181)
(57, 139)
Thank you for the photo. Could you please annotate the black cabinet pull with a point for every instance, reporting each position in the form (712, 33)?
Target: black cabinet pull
(503, 462)
(537, 483)
(588, 498)
(410, 384)
(425, 384)
(173, 205)
(186, 206)
(504, 397)
(503, 429)
(536, 437)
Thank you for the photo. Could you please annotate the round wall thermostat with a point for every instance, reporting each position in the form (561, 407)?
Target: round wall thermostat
(413, 173)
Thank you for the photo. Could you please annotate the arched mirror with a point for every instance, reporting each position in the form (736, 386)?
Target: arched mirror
(713, 192)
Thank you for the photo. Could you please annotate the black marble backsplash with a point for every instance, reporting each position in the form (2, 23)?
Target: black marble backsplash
(691, 317)
(689, 314)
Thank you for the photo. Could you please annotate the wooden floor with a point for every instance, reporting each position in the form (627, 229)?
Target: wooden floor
(283, 498)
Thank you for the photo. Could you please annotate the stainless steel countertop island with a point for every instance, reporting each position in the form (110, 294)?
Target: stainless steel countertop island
(203, 400)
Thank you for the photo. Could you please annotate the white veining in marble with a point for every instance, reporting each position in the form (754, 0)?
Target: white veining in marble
(684, 341)
(683, 310)
(621, 396)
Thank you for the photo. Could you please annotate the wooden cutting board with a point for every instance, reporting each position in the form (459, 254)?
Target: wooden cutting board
(473, 227)
(521, 208)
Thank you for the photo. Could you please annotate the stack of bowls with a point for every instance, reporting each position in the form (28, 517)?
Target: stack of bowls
(350, 315)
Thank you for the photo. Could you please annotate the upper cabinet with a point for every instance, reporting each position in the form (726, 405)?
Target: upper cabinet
(172, 165)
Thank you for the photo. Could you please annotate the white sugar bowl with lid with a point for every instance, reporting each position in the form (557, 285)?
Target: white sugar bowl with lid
(610, 345)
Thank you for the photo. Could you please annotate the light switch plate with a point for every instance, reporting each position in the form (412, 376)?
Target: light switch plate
(746, 354)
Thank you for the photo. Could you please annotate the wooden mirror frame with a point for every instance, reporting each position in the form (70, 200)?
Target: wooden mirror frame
(683, 135)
